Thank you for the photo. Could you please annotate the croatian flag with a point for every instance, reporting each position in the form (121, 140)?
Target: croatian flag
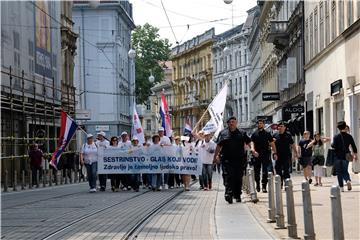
(165, 117)
(187, 128)
(67, 130)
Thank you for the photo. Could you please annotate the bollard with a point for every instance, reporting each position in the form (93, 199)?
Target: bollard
(66, 176)
(22, 180)
(15, 181)
(251, 178)
(336, 213)
(61, 177)
(50, 177)
(271, 208)
(37, 179)
(6, 181)
(291, 226)
(30, 180)
(56, 178)
(43, 178)
(279, 217)
(71, 176)
(309, 232)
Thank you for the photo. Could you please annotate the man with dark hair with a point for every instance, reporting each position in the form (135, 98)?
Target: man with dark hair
(230, 144)
(284, 143)
(260, 148)
(341, 143)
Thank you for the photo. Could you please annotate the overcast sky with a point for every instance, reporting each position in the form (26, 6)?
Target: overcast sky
(190, 18)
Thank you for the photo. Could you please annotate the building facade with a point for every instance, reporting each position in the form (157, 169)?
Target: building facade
(104, 72)
(332, 70)
(282, 61)
(37, 50)
(192, 80)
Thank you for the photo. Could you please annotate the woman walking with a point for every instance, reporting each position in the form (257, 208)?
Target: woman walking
(305, 155)
(318, 158)
(88, 156)
(114, 178)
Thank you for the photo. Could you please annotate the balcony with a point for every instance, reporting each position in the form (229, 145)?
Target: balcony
(278, 34)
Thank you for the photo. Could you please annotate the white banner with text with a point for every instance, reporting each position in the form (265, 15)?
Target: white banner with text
(152, 159)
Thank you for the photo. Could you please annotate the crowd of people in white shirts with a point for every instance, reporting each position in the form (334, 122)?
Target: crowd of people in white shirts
(157, 181)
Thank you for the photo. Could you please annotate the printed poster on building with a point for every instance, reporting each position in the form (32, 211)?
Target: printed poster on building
(43, 39)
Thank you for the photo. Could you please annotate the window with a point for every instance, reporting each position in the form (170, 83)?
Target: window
(31, 48)
(216, 88)
(350, 13)
(307, 47)
(221, 64)
(148, 106)
(231, 88)
(327, 23)
(240, 58)
(333, 20)
(240, 90)
(16, 40)
(321, 12)
(225, 63)
(236, 86)
(245, 85)
(230, 62)
(148, 124)
(236, 59)
(245, 57)
(341, 16)
(315, 31)
(311, 36)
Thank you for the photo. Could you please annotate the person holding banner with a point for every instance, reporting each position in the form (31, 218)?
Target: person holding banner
(231, 146)
(164, 141)
(114, 178)
(155, 177)
(135, 178)
(88, 157)
(207, 150)
(102, 142)
(125, 144)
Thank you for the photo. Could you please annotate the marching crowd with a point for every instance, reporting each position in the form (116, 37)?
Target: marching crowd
(233, 149)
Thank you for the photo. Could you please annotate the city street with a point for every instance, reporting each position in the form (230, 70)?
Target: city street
(70, 212)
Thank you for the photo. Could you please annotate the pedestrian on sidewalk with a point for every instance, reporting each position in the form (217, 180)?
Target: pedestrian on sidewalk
(114, 178)
(135, 177)
(88, 157)
(305, 154)
(125, 144)
(260, 149)
(341, 143)
(206, 152)
(318, 157)
(284, 143)
(231, 146)
(164, 141)
(35, 160)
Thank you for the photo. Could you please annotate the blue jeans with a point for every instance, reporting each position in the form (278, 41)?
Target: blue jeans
(156, 180)
(341, 167)
(91, 174)
(207, 174)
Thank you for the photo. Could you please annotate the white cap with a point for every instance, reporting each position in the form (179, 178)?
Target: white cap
(161, 129)
(89, 135)
(102, 133)
(134, 139)
(124, 133)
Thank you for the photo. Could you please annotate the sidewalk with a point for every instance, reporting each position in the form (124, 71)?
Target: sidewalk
(321, 206)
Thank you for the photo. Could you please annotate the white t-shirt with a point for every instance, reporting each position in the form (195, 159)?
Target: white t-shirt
(206, 151)
(164, 140)
(102, 144)
(124, 145)
(89, 152)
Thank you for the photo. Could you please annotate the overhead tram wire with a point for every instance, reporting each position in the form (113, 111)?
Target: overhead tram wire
(167, 17)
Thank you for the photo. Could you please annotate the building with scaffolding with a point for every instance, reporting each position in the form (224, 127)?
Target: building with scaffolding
(37, 50)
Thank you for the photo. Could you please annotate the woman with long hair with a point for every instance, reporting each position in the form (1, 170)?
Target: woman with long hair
(318, 158)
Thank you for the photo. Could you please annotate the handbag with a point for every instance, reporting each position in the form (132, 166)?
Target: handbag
(330, 157)
(348, 155)
(318, 160)
(356, 166)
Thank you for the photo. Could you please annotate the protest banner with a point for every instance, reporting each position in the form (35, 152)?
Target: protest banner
(152, 159)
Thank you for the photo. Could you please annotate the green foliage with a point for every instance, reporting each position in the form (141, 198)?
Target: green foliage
(150, 51)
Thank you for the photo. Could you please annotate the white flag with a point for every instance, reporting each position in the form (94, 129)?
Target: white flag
(137, 130)
(216, 110)
(217, 107)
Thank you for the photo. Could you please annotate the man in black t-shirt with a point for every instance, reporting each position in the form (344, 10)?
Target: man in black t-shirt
(260, 148)
(284, 143)
(230, 145)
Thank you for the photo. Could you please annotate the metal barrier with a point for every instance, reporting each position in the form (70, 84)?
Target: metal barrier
(271, 206)
(251, 178)
(290, 209)
(308, 214)
(279, 204)
(336, 214)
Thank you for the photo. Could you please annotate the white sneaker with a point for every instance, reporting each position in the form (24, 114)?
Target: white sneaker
(172, 187)
(125, 189)
(92, 190)
(342, 189)
(166, 186)
(160, 188)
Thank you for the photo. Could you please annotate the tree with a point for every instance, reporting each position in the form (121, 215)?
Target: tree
(150, 51)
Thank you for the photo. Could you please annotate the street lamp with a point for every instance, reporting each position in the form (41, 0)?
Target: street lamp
(228, 1)
(94, 3)
(132, 54)
(232, 11)
(226, 51)
(151, 77)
